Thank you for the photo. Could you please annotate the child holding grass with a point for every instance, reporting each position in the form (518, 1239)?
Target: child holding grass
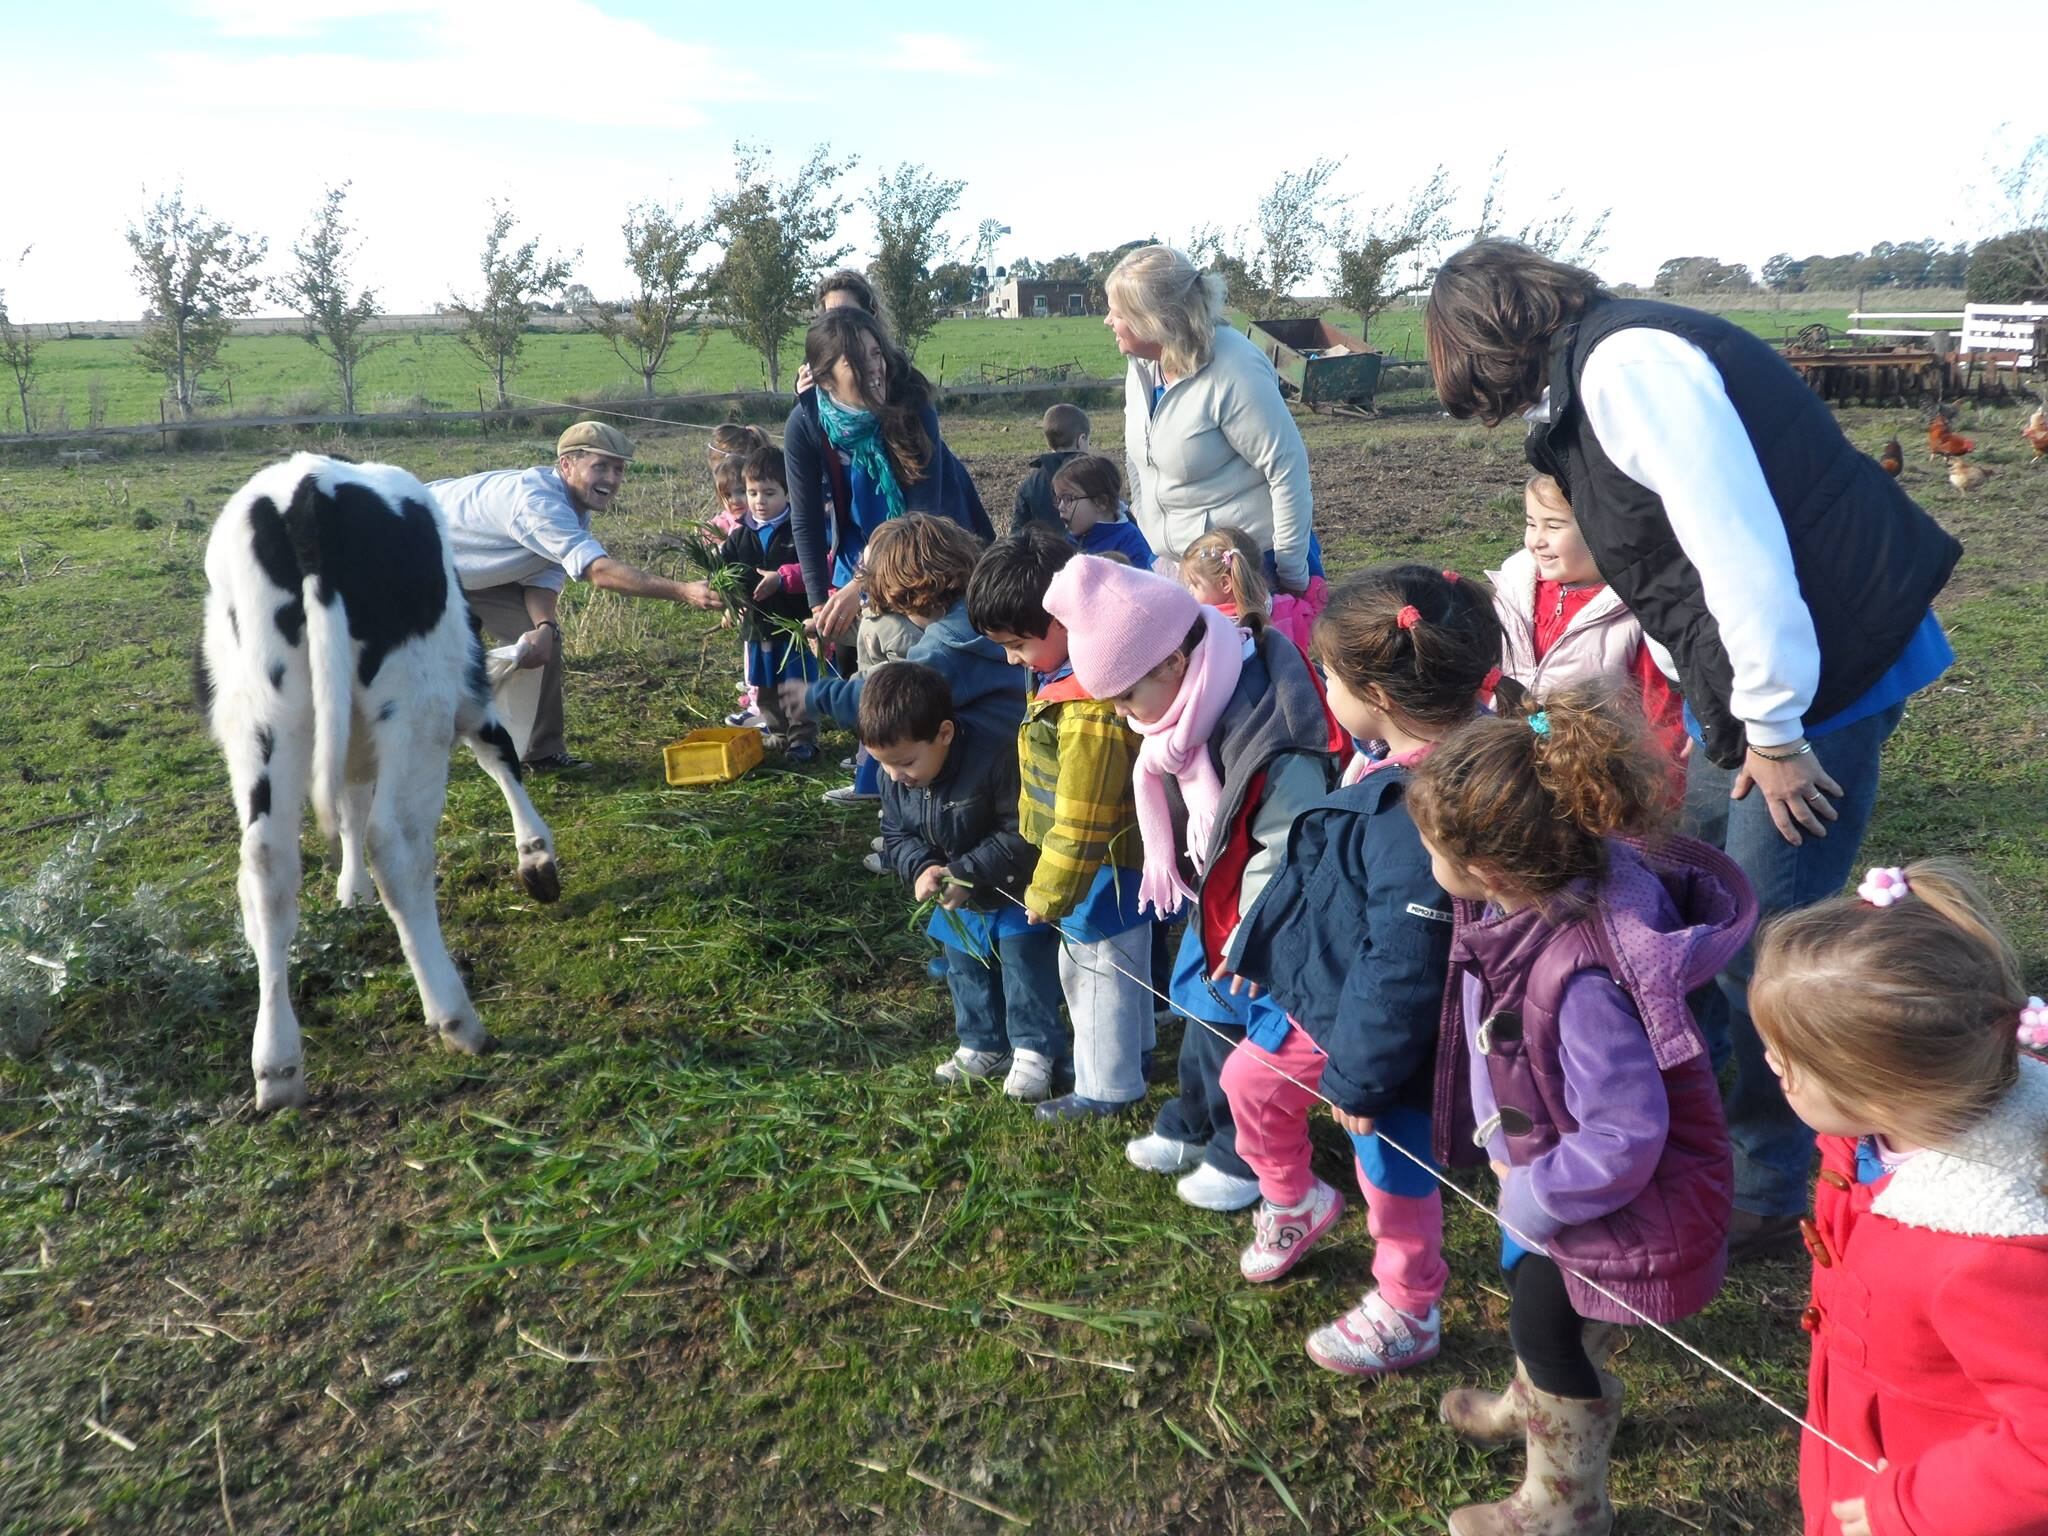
(1075, 757)
(1237, 742)
(949, 830)
(761, 554)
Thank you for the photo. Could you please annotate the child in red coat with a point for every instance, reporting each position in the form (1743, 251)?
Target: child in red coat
(1892, 1017)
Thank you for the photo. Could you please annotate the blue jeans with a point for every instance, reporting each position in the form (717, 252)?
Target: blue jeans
(1012, 1003)
(1773, 1147)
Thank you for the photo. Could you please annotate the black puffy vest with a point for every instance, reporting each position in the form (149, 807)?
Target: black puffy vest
(1867, 558)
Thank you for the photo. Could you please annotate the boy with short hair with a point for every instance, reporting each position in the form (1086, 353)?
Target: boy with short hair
(761, 551)
(949, 829)
(1075, 758)
(1066, 436)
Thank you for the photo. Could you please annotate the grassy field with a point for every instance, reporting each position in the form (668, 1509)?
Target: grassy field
(282, 375)
(700, 1248)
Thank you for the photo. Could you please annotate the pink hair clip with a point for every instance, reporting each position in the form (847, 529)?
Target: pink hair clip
(1883, 887)
(2034, 1025)
(1408, 617)
(1229, 557)
(1451, 576)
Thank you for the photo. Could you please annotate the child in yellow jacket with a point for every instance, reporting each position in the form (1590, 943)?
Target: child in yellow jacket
(1075, 758)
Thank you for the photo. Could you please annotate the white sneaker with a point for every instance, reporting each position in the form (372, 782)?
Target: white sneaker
(846, 794)
(1281, 1237)
(1375, 1337)
(969, 1066)
(1211, 1189)
(879, 844)
(1030, 1078)
(1155, 1153)
(872, 863)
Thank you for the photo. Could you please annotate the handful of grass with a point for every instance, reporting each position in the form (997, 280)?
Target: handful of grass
(962, 939)
(728, 584)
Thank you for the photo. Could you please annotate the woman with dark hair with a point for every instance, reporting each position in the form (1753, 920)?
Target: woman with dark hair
(1784, 576)
(869, 433)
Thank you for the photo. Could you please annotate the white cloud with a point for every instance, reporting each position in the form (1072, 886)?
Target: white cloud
(933, 53)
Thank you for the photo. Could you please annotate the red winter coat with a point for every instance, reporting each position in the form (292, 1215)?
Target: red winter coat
(1929, 1348)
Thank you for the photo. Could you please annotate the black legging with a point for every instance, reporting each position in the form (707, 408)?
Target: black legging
(1548, 1332)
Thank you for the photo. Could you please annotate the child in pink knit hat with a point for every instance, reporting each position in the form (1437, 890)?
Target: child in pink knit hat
(1237, 742)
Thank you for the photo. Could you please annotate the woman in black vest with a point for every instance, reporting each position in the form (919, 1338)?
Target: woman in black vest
(1783, 574)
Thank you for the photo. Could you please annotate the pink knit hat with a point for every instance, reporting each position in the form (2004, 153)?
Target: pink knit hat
(1121, 621)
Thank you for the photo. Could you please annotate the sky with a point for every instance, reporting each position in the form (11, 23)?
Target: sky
(1733, 132)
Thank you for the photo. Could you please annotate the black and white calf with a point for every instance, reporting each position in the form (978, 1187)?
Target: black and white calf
(339, 651)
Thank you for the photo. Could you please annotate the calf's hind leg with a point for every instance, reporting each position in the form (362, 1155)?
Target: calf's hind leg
(268, 767)
(492, 744)
(405, 809)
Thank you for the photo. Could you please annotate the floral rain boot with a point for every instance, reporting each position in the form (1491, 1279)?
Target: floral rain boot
(1564, 1492)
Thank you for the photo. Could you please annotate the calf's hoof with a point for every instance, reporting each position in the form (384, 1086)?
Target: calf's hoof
(543, 881)
(280, 1088)
(466, 1036)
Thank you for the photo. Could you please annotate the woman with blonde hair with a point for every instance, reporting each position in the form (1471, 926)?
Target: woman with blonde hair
(1209, 441)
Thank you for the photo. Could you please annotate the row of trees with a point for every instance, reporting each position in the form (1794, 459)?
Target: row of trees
(750, 260)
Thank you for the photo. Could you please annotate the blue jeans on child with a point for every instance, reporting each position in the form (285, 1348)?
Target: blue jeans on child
(1012, 1002)
(1773, 1146)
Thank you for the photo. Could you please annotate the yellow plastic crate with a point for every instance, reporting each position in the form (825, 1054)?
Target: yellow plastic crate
(717, 754)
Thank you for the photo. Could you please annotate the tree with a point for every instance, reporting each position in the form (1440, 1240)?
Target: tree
(318, 288)
(1369, 256)
(1785, 273)
(953, 285)
(2012, 267)
(1702, 274)
(1294, 226)
(1207, 250)
(908, 207)
(1024, 269)
(1101, 263)
(18, 348)
(196, 275)
(777, 237)
(661, 253)
(494, 327)
(986, 234)
(1556, 233)
(577, 299)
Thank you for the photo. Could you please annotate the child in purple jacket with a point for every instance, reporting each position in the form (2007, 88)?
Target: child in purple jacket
(1570, 1054)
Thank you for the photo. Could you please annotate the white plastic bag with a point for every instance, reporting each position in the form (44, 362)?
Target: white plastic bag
(515, 690)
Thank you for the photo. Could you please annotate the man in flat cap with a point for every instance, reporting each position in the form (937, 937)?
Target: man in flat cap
(519, 535)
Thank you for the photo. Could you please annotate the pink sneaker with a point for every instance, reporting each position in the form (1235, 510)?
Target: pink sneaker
(1280, 1238)
(1375, 1337)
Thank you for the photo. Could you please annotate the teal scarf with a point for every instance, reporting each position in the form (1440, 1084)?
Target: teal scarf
(858, 435)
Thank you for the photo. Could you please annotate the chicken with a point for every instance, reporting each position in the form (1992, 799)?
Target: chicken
(1943, 443)
(2036, 432)
(1892, 457)
(1967, 477)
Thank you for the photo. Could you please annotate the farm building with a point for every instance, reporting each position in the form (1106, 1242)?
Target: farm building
(1020, 297)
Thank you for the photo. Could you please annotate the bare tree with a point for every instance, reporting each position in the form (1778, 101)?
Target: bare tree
(1557, 232)
(18, 348)
(196, 275)
(1371, 254)
(494, 327)
(2012, 266)
(661, 252)
(318, 288)
(908, 208)
(777, 237)
(1294, 227)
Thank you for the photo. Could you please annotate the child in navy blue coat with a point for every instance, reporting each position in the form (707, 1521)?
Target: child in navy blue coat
(1087, 492)
(1352, 938)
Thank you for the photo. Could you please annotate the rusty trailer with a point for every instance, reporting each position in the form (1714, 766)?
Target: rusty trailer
(1318, 364)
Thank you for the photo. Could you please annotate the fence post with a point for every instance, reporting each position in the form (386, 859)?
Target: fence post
(483, 422)
(163, 440)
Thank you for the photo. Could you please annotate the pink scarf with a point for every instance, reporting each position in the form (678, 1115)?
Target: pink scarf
(1177, 743)
(1361, 765)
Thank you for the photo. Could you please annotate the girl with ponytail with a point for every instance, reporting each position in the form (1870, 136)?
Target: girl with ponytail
(1894, 1019)
(1569, 1052)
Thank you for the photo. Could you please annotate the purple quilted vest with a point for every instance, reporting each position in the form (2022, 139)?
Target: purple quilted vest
(1661, 923)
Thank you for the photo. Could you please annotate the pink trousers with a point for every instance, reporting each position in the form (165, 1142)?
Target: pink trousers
(1272, 1136)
